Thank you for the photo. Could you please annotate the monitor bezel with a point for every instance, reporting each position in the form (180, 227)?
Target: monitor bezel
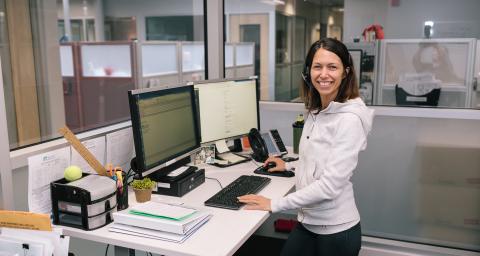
(133, 98)
(257, 96)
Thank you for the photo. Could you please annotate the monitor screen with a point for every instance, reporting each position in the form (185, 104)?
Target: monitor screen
(227, 109)
(164, 124)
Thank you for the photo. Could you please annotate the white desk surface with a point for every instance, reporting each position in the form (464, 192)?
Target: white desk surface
(223, 234)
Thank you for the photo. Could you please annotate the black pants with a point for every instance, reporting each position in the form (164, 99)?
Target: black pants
(303, 242)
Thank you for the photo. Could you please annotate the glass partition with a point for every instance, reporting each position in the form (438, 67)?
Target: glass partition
(106, 60)
(159, 59)
(432, 72)
(66, 60)
(78, 64)
(419, 180)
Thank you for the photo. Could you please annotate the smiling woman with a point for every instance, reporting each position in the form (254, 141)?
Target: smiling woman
(329, 75)
(334, 133)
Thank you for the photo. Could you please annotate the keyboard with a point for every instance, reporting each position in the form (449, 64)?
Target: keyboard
(245, 184)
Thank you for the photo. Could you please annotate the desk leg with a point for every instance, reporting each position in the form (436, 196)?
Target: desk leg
(122, 251)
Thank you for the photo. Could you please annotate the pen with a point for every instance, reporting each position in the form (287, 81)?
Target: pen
(119, 176)
(110, 169)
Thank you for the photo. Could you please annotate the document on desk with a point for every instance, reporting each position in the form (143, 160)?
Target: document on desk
(120, 148)
(231, 157)
(162, 210)
(161, 224)
(221, 146)
(157, 234)
(96, 147)
(43, 169)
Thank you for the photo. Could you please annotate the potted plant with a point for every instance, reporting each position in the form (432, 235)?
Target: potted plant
(143, 189)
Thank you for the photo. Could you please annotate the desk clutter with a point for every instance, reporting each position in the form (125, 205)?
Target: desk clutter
(26, 233)
(86, 203)
(161, 221)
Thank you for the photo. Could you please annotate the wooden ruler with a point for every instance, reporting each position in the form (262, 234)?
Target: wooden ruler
(82, 150)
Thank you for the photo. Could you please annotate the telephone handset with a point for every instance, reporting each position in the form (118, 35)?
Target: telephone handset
(266, 143)
(260, 151)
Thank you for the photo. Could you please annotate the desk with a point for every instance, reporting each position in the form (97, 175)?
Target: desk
(226, 231)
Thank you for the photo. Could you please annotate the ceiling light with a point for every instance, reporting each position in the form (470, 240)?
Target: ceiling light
(274, 2)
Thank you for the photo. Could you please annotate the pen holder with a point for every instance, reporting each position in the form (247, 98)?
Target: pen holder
(122, 198)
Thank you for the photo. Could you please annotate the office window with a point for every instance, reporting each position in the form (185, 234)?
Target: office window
(77, 65)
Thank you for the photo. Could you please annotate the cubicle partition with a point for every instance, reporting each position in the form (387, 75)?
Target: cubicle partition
(70, 81)
(163, 63)
(239, 60)
(96, 78)
(449, 62)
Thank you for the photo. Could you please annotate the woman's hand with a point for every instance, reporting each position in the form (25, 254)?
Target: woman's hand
(280, 164)
(256, 202)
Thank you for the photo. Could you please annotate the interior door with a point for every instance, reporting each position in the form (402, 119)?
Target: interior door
(238, 26)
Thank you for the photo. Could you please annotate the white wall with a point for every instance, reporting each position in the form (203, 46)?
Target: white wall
(78, 9)
(456, 18)
(360, 13)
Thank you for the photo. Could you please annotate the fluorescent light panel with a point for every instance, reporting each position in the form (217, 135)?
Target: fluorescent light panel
(274, 2)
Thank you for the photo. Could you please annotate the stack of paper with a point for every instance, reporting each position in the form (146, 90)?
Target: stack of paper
(161, 221)
(33, 242)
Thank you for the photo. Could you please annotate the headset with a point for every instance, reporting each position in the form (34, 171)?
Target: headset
(306, 76)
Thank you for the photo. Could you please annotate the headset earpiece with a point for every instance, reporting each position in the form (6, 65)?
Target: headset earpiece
(306, 76)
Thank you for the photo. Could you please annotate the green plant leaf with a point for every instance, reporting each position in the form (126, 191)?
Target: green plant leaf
(145, 183)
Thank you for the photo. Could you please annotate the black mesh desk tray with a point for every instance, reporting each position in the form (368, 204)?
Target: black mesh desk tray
(404, 98)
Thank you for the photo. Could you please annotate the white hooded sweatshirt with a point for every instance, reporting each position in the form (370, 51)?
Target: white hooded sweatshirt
(329, 148)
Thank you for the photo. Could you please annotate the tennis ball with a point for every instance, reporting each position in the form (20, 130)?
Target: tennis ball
(72, 173)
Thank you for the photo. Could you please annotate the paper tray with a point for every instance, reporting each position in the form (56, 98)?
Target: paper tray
(91, 223)
(92, 209)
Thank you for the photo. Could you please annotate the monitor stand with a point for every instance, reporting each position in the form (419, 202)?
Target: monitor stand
(170, 168)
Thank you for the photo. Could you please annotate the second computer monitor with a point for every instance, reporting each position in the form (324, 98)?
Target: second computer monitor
(228, 108)
(165, 126)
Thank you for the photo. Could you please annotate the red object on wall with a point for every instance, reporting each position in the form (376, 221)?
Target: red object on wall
(378, 29)
(395, 3)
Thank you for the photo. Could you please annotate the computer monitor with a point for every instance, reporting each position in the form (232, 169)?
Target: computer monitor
(165, 127)
(228, 109)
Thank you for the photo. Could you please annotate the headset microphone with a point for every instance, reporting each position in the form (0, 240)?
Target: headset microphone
(306, 78)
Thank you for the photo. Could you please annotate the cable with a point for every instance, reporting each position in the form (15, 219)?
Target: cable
(106, 249)
(215, 180)
(253, 161)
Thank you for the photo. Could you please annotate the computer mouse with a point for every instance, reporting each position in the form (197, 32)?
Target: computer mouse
(270, 165)
(264, 171)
